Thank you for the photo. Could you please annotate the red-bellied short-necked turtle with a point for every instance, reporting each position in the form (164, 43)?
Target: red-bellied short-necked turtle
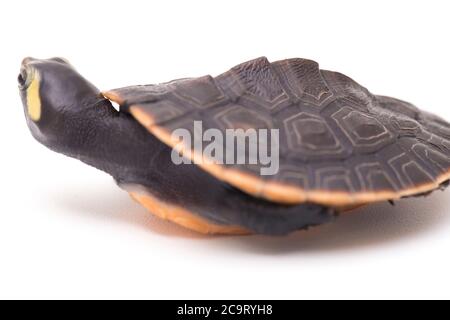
(339, 145)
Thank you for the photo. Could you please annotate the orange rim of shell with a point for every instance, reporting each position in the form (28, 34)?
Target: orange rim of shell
(181, 216)
(270, 190)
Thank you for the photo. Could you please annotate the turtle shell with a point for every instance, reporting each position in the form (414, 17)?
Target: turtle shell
(339, 144)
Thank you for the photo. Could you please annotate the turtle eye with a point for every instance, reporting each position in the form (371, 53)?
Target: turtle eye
(25, 77)
(22, 78)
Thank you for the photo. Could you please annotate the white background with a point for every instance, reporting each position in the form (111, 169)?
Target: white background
(66, 230)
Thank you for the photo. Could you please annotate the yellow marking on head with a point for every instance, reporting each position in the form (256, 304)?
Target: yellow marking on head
(34, 98)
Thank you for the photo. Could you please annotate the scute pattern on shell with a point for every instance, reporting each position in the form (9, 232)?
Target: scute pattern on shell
(335, 135)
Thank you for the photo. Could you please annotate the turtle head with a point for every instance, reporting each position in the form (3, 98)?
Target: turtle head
(54, 96)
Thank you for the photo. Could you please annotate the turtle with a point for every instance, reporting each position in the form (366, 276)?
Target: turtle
(339, 146)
